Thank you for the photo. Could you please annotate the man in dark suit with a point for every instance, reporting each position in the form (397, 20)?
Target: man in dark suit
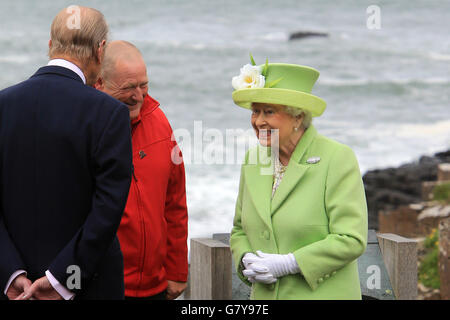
(65, 172)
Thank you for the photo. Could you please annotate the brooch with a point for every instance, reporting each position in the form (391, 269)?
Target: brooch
(313, 160)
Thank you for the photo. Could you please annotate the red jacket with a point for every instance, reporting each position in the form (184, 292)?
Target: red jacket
(153, 230)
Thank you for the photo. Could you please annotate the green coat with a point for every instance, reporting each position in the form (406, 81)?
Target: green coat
(318, 213)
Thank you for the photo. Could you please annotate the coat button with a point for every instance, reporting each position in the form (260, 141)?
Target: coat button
(333, 273)
(320, 280)
(265, 234)
(327, 276)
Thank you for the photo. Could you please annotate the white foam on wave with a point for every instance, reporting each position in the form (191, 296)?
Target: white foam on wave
(276, 36)
(432, 133)
(336, 82)
(392, 144)
(343, 82)
(438, 56)
(344, 35)
(18, 59)
(436, 130)
(211, 196)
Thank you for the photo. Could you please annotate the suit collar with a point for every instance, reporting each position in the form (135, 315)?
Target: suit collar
(57, 70)
(69, 65)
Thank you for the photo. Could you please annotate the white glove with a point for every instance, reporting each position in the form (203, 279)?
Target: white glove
(248, 258)
(252, 275)
(266, 267)
(278, 264)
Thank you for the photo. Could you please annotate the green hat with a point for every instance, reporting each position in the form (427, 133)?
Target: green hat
(285, 84)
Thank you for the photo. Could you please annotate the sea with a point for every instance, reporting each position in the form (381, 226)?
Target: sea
(384, 73)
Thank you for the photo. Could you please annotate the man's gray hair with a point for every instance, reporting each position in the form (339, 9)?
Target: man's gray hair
(307, 119)
(80, 41)
(118, 49)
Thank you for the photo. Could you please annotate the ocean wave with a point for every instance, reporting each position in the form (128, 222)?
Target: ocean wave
(438, 56)
(336, 82)
(276, 36)
(439, 129)
(19, 59)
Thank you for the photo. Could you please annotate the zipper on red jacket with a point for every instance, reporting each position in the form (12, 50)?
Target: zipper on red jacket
(141, 218)
(132, 171)
(143, 246)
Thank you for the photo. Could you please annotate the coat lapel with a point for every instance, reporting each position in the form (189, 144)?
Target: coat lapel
(291, 177)
(294, 171)
(259, 179)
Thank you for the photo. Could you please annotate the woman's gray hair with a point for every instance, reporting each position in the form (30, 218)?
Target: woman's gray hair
(78, 41)
(307, 118)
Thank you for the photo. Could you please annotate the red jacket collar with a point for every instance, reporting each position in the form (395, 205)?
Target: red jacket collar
(148, 107)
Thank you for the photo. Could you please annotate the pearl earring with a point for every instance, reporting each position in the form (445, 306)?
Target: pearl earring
(295, 129)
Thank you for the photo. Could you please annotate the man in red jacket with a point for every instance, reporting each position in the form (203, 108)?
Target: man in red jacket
(153, 230)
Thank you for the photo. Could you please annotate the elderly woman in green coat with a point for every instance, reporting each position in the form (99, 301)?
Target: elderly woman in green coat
(301, 215)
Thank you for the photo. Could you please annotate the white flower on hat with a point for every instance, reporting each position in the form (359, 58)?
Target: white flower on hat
(250, 77)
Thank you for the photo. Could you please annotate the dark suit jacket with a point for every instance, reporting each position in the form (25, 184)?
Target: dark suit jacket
(65, 172)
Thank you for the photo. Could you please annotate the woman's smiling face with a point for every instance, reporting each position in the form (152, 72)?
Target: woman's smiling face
(268, 117)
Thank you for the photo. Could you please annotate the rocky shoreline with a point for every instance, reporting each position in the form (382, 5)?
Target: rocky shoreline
(400, 201)
(389, 188)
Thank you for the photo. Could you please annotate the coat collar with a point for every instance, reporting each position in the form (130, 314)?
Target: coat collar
(69, 65)
(58, 70)
(259, 177)
(148, 107)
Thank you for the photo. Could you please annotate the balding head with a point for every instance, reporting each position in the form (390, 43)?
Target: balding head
(124, 75)
(119, 52)
(77, 32)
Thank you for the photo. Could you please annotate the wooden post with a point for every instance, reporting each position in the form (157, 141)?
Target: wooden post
(210, 270)
(400, 258)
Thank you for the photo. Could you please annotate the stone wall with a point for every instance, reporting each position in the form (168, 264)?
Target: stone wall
(388, 189)
(402, 221)
(417, 219)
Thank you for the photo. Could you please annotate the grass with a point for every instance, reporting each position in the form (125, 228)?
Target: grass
(429, 264)
(442, 193)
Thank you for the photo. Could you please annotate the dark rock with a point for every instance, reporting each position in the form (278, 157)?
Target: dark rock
(304, 34)
(389, 188)
(445, 156)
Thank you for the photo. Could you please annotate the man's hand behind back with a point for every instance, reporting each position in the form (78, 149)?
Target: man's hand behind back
(41, 289)
(20, 284)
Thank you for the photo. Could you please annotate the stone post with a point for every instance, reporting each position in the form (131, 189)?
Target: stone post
(444, 257)
(443, 172)
(400, 258)
(210, 270)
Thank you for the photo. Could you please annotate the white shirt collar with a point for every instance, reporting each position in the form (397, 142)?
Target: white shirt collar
(68, 65)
